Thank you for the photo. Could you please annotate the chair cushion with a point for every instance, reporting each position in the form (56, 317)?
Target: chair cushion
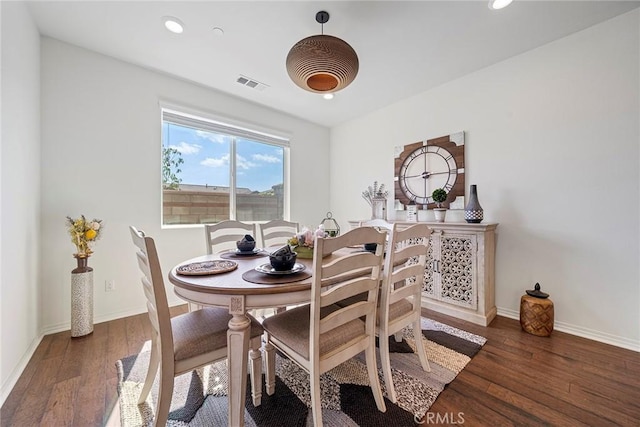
(292, 328)
(203, 331)
(396, 310)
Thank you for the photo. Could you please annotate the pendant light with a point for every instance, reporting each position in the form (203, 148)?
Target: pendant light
(322, 63)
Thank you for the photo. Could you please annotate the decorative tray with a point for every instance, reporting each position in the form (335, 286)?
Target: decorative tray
(267, 269)
(204, 268)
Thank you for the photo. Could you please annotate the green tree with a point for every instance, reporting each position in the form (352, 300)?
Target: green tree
(171, 161)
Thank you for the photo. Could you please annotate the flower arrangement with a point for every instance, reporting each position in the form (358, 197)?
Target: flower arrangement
(374, 192)
(306, 238)
(83, 233)
(302, 243)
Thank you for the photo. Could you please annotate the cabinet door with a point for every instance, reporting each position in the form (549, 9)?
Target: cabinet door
(456, 265)
(428, 287)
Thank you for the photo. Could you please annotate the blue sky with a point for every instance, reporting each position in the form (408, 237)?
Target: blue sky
(206, 159)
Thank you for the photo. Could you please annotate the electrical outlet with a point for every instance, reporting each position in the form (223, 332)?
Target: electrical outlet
(109, 285)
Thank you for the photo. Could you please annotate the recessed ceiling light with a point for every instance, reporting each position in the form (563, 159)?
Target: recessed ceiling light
(499, 4)
(217, 31)
(328, 96)
(173, 24)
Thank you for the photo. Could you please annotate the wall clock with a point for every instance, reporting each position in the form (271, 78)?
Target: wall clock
(423, 166)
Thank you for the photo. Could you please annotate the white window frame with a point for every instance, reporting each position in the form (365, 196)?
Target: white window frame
(185, 116)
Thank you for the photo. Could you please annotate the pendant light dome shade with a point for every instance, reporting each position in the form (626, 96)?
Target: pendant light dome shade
(322, 63)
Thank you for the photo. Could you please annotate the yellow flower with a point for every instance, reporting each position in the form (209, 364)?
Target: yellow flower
(84, 233)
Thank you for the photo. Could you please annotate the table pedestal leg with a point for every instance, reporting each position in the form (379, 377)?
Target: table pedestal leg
(238, 348)
(270, 371)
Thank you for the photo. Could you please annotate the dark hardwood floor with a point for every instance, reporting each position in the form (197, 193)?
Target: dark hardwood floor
(517, 379)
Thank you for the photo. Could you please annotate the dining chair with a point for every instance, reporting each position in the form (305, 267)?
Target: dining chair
(183, 343)
(223, 235)
(321, 335)
(277, 232)
(380, 224)
(400, 296)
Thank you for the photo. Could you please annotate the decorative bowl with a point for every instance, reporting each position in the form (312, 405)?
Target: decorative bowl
(247, 244)
(283, 261)
(371, 247)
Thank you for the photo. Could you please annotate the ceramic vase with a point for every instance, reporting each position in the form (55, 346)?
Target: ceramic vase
(81, 298)
(473, 212)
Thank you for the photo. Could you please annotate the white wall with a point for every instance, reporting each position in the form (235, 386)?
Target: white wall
(101, 157)
(552, 141)
(20, 193)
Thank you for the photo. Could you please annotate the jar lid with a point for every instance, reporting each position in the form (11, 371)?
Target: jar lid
(536, 292)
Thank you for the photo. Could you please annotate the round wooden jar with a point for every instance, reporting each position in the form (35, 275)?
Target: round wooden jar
(536, 315)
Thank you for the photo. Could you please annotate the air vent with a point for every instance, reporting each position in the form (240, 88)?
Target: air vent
(249, 82)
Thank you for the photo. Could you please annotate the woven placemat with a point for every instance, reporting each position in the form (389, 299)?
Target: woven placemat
(254, 276)
(205, 268)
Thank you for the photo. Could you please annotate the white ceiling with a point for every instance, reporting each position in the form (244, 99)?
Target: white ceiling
(404, 48)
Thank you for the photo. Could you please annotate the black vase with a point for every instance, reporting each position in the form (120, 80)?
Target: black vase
(473, 212)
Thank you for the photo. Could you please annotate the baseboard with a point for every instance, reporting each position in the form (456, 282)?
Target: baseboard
(19, 368)
(582, 332)
(459, 312)
(65, 326)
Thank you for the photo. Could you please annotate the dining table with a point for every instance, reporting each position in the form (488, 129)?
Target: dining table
(238, 291)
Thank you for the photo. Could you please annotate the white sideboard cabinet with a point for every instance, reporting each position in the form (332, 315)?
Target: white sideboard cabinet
(460, 274)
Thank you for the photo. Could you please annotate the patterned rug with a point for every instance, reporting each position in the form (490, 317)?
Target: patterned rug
(199, 397)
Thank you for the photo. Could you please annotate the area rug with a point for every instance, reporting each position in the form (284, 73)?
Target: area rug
(199, 397)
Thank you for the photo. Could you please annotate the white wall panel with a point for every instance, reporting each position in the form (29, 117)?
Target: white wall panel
(20, 193)
(101, 139)
(552, 142)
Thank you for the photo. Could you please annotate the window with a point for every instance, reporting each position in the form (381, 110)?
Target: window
(212, 171)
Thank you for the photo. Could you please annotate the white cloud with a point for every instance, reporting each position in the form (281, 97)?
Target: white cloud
(186, 148)
(216, 163)
(243, 163)
(213, 137)
(266, 158)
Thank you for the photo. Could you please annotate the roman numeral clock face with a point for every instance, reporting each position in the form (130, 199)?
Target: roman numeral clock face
(425, 166)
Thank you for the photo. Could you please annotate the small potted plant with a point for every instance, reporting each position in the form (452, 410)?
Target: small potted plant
(439, 196)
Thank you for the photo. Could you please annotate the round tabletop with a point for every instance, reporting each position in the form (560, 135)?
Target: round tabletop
(232, 282)
(219, 289)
